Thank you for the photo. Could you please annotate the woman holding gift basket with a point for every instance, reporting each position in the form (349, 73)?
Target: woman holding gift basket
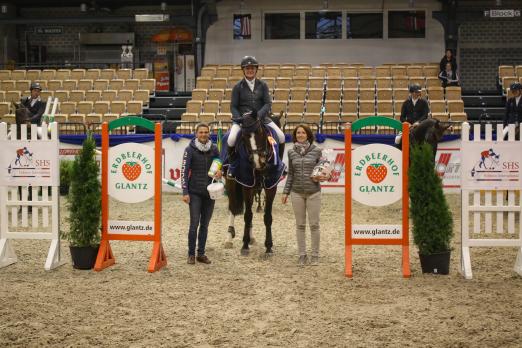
(307, 167)
(200, 166)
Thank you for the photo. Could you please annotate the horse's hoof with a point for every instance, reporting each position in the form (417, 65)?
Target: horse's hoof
(229, 245)
(252, 241)
(245, 252)
(267, 255)
(232, 231)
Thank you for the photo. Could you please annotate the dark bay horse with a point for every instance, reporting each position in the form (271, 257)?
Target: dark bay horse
(257, 160)
(428, 131)
(22, 116)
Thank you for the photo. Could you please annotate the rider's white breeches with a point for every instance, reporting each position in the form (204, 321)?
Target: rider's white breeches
(398, 138)
(232, 137)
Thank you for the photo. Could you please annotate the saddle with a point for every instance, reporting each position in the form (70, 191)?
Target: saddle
(240, 168)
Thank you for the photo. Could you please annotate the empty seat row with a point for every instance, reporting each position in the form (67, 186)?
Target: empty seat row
(75, 74)
(87, 107)
(204, 82)
(323, 71)
(84, 84)
(77, 95)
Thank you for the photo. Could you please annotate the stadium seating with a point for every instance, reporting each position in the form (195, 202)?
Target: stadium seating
(85, 95)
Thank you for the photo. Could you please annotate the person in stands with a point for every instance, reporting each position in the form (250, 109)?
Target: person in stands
(197, 159)
(34, 104)
(449, 77)
(448, 58)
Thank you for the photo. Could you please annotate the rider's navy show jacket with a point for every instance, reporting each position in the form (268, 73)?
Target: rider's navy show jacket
(243, 100)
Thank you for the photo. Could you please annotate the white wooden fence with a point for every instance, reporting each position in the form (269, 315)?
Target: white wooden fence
(490, 210)
(43, 210)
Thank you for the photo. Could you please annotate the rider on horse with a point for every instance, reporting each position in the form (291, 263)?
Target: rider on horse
(514, 105)
(414, 109)
(34, 104)
(251, 97)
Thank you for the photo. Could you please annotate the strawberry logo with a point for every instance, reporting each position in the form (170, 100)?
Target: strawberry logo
(376, 172)
(131, 170)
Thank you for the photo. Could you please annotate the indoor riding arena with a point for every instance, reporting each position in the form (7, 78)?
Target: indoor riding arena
(240, 173)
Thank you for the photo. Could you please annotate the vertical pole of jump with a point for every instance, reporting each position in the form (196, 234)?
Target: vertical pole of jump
(348, 270)
(105, 257)
(158, 258)
(405, 201)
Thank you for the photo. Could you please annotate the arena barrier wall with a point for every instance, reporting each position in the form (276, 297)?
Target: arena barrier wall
(447, 161)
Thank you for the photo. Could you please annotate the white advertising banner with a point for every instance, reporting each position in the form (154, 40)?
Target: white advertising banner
(490, 166)
(131, 172)
(376, 174)
(376, 232)
(26, 163)
(447, 165)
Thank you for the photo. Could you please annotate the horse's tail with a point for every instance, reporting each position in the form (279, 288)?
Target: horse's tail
(235, 197)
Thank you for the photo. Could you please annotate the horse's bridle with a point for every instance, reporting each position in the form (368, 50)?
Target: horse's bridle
(262, 152)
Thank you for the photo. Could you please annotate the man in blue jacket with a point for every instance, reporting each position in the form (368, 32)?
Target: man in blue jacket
(197, 159)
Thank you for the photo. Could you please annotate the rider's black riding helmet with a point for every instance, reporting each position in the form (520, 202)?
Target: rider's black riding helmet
(249, 61)
(415, 88)
(35, 85)
(516, 86)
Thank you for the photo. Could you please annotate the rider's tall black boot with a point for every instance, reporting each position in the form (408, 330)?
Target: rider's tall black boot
(231, 153)
(281, 150)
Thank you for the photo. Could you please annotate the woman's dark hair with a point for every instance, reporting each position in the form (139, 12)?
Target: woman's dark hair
(199, 125)
(450, 50)
(309, 133)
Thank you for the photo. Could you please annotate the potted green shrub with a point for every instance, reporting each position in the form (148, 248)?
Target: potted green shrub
(65, 176)
(432, 219)
(84, 207)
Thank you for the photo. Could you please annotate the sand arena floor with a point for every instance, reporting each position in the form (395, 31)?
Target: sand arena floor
(251, 302)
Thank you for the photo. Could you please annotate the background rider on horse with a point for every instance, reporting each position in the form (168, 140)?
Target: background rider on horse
(251, 97)
(34, 104)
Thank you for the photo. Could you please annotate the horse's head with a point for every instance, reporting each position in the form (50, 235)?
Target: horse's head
(256, 142)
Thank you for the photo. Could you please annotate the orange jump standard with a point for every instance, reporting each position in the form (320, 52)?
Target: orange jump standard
(375, 175)
(133, 176)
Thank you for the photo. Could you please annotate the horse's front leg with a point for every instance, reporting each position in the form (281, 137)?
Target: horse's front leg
(248, 195)
(231, 231)
(269, 196)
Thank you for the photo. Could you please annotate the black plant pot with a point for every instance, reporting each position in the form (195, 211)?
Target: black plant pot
(435, 263)
(84, 257)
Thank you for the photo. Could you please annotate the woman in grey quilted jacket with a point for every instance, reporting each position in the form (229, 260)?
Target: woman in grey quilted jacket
(304, 190)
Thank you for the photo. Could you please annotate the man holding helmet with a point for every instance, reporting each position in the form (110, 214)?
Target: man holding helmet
(514, 105)
(251, 97)
(34, 104)
(415, 108)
